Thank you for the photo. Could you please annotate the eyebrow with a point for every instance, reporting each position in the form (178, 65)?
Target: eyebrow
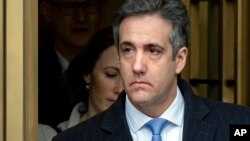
(126, 43)
(153, 44)
(111, 67)
(145, 45)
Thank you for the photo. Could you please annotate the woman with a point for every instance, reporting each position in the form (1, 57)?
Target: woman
(94, 76)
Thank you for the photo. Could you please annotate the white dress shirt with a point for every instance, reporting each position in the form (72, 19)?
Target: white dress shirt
(45, 132)
(171, 132)
(74, 119)
(63, 61)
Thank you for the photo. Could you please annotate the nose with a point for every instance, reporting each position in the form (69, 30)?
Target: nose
(118, 86)
(80, 15)
(139, 66)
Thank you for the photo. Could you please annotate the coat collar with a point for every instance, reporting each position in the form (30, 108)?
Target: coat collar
(195, 113)
(115, 121)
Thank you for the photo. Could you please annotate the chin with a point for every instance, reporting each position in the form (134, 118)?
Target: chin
(79, 44)
(139, 96)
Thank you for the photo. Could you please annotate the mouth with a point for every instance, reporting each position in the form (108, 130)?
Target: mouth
(111, 99)
(80, 30)
(139, 83)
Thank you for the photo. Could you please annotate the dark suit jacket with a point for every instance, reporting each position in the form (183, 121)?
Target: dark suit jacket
(55, 100)
(204, 120)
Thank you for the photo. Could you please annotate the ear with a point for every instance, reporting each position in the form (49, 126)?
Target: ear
(180, 59)
(87, 78)
(46, 11)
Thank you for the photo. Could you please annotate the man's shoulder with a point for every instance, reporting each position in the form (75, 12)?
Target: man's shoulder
(227, 111)
(46, 54)
(48, 62)
(215, 104)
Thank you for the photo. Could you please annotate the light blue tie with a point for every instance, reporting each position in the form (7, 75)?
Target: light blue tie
(156, 125)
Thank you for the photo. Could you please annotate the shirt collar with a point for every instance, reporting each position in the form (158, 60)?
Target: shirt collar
(174, 114)
(63, 61)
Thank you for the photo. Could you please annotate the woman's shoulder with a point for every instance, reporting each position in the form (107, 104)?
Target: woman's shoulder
(45, 132)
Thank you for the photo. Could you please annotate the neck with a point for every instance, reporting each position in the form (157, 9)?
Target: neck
(85, 116)
(90, 113)
(67, 51)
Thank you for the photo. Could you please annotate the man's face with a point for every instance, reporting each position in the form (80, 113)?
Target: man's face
(76, 27)
(148, 69)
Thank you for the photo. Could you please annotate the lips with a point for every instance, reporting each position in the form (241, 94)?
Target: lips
(112, 99)
(80, 29)
(139, 83)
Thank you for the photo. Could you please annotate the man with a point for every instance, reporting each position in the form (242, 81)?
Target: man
(152, 39)
(73, 22)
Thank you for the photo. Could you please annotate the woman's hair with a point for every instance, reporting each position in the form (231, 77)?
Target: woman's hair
(84, 63)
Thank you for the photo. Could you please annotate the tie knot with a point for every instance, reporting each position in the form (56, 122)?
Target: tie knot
(156, 125)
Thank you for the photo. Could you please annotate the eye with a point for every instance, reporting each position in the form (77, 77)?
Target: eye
(154, 50)
(126, 50)
(112, 75)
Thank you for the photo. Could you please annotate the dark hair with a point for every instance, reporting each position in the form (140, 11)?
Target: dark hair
(172, 11)
(85, 62)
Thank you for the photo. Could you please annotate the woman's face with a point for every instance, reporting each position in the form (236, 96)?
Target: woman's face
(105, 82)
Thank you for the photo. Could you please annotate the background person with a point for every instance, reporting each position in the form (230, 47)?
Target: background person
(94, 76)
(73, 22)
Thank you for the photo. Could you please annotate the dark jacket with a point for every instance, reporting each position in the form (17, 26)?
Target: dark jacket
(204, 120)
(55, 100)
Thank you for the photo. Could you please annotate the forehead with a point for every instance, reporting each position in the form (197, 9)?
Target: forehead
(109, 57)
(145, 28)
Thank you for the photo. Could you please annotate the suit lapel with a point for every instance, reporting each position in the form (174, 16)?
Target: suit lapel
(121, 133)
(195, 128)
(115, 121)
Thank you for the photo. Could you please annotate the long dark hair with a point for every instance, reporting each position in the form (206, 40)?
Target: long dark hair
(85, 62)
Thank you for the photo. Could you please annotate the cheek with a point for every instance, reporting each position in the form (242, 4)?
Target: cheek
(63, 25)
(97, 92)
(101, 85)
(125, 66)
(93, 19)
(94, 23)
(159, 73)
(126, 72)
(60, 21)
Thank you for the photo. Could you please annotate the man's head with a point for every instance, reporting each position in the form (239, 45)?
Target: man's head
(172, 11)
(73, 21)
(151, 37)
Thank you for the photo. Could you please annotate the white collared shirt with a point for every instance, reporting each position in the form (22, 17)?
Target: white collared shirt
(174, 114)
(74, 119)
(63, 61)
